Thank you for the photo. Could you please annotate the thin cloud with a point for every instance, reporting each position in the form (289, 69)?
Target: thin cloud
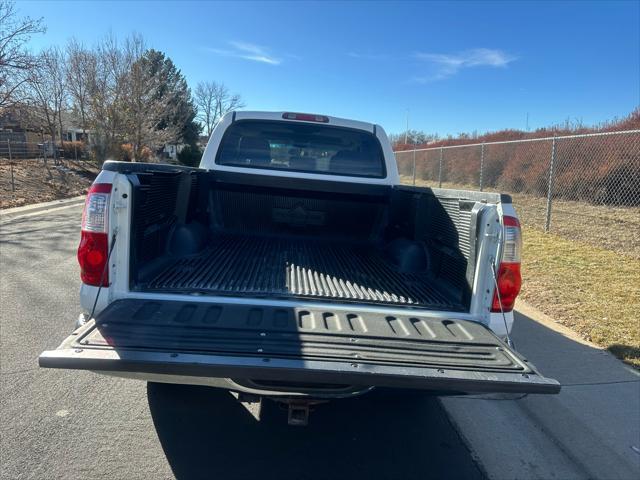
(247, 51)
(447, 65)
(368, 56)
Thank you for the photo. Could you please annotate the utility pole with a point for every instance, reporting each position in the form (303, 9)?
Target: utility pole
(527, 121)
(406, 131)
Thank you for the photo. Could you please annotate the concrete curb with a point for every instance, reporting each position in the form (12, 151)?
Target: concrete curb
(9, 213)
(534, 314)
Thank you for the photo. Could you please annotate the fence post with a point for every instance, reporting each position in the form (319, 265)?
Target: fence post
(547, 223)
(440, 170)
(481, 164)
(414, 164)
(75, 150)
(13, 183)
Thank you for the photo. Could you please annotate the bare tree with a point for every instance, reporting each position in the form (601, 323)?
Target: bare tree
(46, 91)
(137, 96)
(15, 61)
(81, 66)
(108, 73)
(204, 98)
(213, 100)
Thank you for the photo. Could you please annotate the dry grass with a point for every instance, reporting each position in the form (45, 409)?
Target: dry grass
(612, 228)
(36, 182)
(593, 291)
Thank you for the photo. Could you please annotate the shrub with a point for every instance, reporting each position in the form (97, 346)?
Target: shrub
(145, 154)
(599, 169)
(190, 156)
(126, 153)
(71, 150)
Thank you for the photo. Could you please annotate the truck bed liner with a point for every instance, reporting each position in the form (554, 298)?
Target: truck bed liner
(284, 267)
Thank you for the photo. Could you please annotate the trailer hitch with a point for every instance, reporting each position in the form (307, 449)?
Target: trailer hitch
(299, 410)
(298, 414)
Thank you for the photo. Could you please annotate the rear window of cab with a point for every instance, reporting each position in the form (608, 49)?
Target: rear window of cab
(302, 147)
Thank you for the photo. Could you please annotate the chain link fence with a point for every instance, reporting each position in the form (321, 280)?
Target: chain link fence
(33, 172)
(584, 187)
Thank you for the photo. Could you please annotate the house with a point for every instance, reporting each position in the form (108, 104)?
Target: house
(171, 150)
(71, 131)
(17, 137)
(202, 141)
(28, 141)
(72, 134)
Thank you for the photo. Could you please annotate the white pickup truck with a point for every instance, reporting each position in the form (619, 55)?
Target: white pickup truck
(293, 264)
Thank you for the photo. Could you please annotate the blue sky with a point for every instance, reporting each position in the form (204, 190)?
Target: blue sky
(455, 66)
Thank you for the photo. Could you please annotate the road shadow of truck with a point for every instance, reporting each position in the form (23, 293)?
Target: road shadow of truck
(207, 433)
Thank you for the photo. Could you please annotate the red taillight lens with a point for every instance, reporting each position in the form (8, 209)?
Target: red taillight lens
(508, 276)
(92, 257)
(93, 250)
(509, 283)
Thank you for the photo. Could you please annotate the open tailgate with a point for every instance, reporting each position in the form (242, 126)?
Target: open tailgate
(296, 345)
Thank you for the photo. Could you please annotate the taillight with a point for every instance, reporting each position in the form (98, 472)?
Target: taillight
(93, 250)
(508, 275)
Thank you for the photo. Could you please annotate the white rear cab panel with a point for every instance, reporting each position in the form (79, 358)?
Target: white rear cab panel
(209, 155)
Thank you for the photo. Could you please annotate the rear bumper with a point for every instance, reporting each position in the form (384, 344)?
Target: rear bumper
(247, 386)
(276, 346)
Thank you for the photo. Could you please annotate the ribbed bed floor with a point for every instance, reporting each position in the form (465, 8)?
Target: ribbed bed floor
(281, 267)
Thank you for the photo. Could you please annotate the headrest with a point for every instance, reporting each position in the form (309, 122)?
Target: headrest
(254, 151)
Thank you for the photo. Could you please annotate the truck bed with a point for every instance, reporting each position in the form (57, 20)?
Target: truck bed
(300, 268)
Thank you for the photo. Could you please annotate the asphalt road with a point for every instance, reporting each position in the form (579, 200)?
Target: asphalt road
(66, 424)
